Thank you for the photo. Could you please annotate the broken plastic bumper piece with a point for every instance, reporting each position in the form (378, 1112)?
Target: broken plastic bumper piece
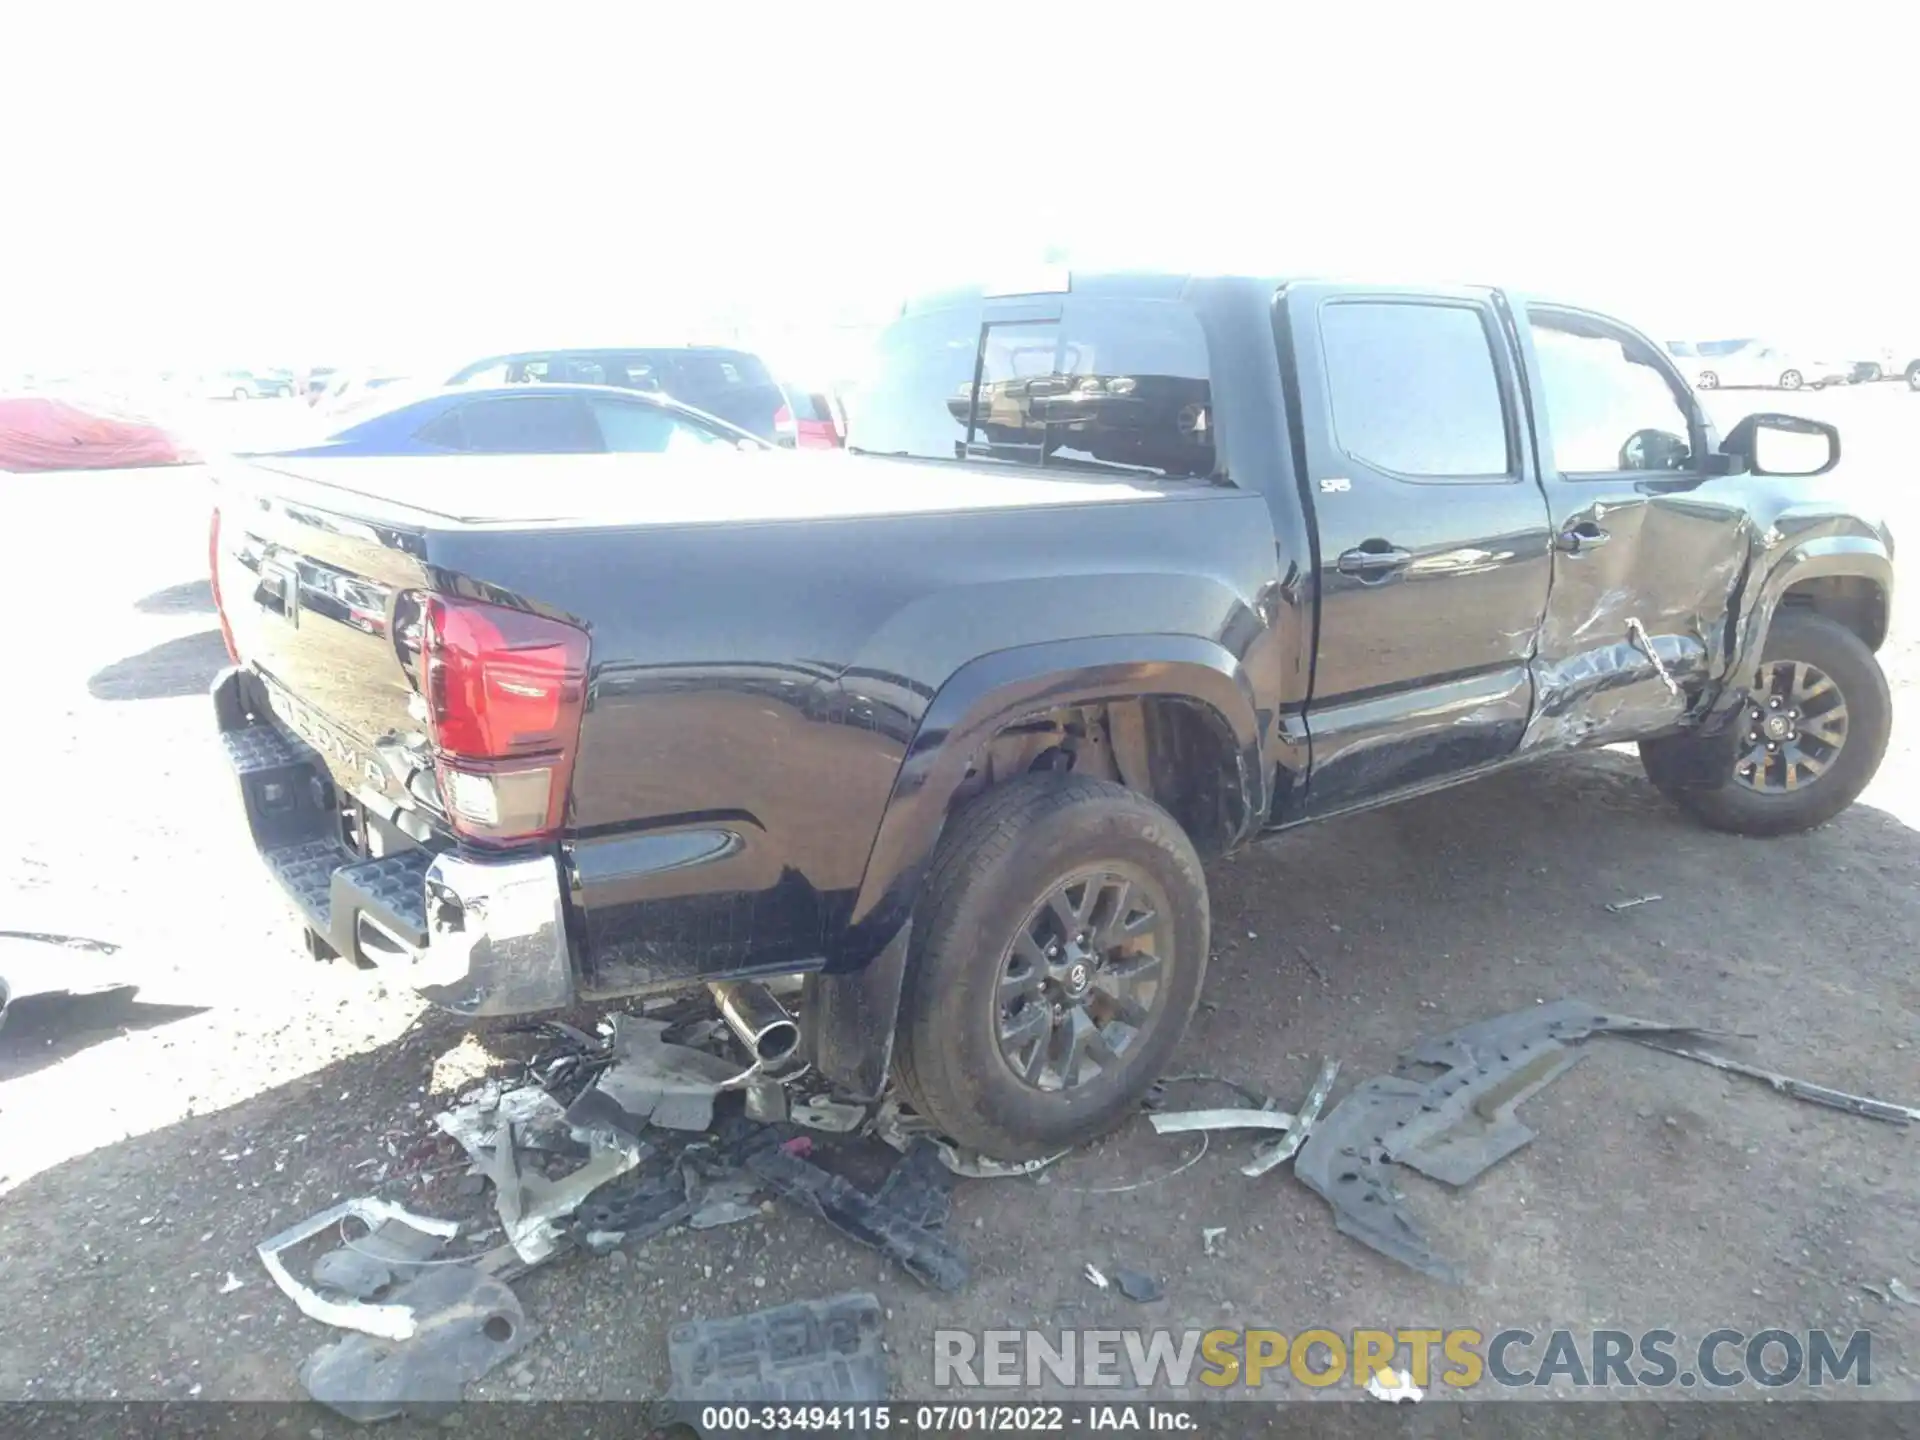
(478, 936)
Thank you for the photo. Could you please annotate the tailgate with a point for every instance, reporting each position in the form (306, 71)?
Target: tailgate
(326, 608)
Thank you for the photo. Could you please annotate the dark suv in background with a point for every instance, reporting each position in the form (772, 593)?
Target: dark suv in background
(732, 384)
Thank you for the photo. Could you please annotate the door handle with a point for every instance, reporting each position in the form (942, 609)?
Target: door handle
(1576, 539)
(1373, 561)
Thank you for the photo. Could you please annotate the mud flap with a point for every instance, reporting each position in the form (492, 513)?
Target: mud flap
(1699, 759)
(850, 1017)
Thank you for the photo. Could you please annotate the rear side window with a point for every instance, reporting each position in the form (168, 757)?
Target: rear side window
(636, 428)
(727, 370)
(525, 425)
(1111, 385)
(635, 372)
(1413, 389)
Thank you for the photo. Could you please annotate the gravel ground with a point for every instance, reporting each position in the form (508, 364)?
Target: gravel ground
(178, 1082)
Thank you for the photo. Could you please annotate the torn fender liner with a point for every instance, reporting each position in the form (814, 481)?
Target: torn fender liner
(913, 1247)
(466, 1322)
(816, 1351)
(1446, 1111)
(653, 1083)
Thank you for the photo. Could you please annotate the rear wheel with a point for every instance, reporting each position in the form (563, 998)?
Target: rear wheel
(1816, 723)
(1708, 381)
(1913, 376)
(1791, 380)
(1058, 951)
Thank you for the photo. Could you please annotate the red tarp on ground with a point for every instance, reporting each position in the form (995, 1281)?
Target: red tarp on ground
(38, 432)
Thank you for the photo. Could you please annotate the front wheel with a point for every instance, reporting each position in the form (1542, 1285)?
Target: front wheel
(1707, 381)
(1059, 947)
(1816, 727)
(1791, 380)
(1913, 376)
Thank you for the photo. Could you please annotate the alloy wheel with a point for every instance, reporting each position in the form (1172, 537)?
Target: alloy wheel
(1082, 978)
(1796, 727)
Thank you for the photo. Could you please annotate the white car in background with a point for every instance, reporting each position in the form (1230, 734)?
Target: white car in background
(1712, 364)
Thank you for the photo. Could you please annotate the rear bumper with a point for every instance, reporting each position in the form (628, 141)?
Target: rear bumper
(479, 936)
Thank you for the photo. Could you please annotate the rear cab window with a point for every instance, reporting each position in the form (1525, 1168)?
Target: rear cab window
(1088, 383)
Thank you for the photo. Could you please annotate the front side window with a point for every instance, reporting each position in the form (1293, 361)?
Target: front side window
(1113, 385)
(1414, 390)
(528, 425)
(1608, 406)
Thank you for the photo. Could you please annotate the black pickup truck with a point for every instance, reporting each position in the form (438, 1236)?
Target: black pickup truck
(1116, 576)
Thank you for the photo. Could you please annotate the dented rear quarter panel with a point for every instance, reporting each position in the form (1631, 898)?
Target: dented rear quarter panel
(755, 687)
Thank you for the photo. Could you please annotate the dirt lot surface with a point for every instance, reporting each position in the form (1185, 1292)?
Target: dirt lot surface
(178, 1082)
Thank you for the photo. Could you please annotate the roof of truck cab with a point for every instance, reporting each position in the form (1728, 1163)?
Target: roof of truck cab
(724, 486)
(1051, 281)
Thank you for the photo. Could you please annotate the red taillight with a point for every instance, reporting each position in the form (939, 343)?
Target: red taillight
(505, 692)
(213, 580)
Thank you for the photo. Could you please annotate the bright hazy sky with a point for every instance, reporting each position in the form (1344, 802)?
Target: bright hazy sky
(291, 183)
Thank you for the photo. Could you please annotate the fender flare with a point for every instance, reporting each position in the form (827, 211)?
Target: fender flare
(1861, 556)
(1005, 686)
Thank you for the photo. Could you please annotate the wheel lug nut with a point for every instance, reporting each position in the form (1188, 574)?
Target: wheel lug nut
(1773, 704)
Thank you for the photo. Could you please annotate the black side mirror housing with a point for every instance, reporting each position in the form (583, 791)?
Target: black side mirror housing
(1785, 445)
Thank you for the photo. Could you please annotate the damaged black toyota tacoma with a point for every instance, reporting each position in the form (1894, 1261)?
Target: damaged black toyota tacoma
(1118, 575)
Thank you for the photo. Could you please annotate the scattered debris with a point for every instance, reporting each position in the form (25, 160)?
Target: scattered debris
(530, 1204)
(919, 1188)
(651, 1082)
(392, 1321)
(1394, 1385)
(725, 1201)
(1138, 1285)
(823, 1112)
(232, 1283)
(539, 1121)
(766, 1100)
(1860, 1105)
(900, 1128)
(820, 1352)
(1199, 1153)
(635, 1211)
(913, 1247)
(1272, 1153)
(1875, 1291)
(1245, 1117)
(1093, 1274)
(1210, 1238)
(1446, 1111)
(392, 1251)
(1901, 1293)
(463, 1323)
(1616, 906)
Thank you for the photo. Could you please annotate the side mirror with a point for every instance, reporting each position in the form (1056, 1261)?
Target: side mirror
(1784, 445)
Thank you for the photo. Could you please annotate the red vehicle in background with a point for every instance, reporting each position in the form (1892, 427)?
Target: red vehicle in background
(45, 432)
(820, 423)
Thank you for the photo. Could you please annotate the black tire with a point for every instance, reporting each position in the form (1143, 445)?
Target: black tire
(1813, 639)
(1000, 860)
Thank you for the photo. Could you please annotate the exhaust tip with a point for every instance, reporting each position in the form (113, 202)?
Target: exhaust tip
(777, 1042)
